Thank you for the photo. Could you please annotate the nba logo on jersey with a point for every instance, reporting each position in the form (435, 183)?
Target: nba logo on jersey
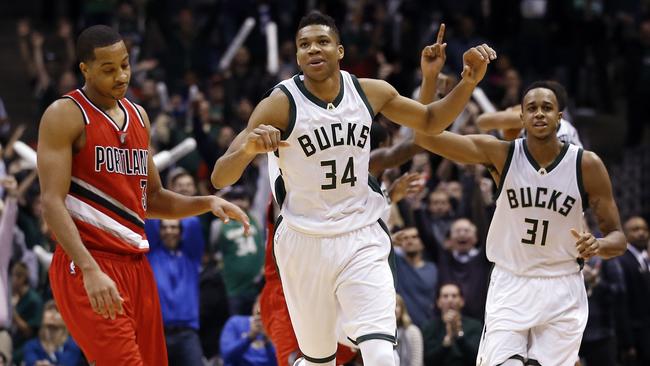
(122, 137)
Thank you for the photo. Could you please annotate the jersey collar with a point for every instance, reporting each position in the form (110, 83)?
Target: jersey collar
(314, 99)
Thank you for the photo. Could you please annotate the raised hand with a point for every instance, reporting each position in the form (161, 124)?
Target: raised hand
(263, 139)
(433, 57)
(586, 244)
(475, 61)
(226, 211)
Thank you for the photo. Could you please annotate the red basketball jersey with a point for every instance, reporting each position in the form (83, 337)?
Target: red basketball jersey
(107, 197)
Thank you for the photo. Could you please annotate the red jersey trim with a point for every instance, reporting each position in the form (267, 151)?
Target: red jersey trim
(87, 192)
(84, 212)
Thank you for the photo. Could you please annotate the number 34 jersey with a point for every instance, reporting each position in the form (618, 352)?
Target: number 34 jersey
(530, 234)
(321, 179)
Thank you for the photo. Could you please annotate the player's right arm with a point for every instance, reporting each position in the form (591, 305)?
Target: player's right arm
(467, 149)
(262, 135)
(60, 127)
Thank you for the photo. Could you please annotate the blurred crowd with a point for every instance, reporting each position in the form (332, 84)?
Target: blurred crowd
(209, 274)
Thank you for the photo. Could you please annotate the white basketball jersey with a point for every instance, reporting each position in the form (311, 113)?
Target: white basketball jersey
(536, 209)
(321, 179)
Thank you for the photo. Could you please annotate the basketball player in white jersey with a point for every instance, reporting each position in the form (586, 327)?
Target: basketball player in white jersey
(536, 307)
(330, 246)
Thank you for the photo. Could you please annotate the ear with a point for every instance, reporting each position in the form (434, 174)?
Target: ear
(84, 69)
(341, 51)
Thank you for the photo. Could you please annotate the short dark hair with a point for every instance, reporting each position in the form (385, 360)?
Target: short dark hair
(95, 37)
(315, 17)
(450, 283)
(557, 89)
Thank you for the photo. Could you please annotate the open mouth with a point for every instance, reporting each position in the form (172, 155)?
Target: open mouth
(317, 62)
(540, 124)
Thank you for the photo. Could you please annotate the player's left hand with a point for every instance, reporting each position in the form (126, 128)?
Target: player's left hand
(433, 57)
(586, 244)
(475, 61)
(226, 211)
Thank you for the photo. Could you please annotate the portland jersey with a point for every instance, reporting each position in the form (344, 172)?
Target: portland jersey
(321, 179)
(536, 209)
(107, 196)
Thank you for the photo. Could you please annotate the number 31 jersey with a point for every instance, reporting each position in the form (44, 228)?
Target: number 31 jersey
(321, 179)
(530, 233)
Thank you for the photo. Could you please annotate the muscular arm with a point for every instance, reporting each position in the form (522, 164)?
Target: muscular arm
(60, 126)
(599, 191)
(503, 120)
(388, 157)
(272, 110)
(467, 149)
(428, 119)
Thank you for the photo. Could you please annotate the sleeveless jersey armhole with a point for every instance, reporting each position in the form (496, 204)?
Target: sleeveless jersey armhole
(581, 186)
(506, 167)
(83, 113)
(292, 112)
(357, 86)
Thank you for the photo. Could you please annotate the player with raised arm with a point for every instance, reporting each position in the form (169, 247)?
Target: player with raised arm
(330, 245)
(98, 184)
(536, 307)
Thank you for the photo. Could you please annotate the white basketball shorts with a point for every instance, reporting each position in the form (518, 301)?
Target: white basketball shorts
(538, 320)
(336, 282)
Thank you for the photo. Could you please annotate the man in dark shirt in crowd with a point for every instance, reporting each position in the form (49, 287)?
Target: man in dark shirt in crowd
(452, 339)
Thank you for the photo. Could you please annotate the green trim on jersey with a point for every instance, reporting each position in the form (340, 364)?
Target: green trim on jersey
(280, 190)
(292, 113)
(363, 95)
(506, 167)
(392, 261)
(581, 186)
(555, 162)
(319, 360)
(381, 336)
(374, 185)
(301, 86)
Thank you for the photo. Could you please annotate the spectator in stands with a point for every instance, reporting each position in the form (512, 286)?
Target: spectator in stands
(243, 256)
(176, 265)
(417, 278)
(434, 221)
(466, 264)
(605, 289)
(452, 339)
(182, 182)
(409, 337)
(7, 222)
(27, 311)
(53, 346)
(213, 309)
(635, 328)
(244, 342)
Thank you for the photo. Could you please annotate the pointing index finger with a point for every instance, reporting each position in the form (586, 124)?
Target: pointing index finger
(441, 33)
